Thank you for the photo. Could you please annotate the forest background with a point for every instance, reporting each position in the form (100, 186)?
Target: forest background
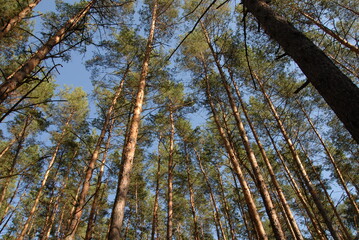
(223, 137)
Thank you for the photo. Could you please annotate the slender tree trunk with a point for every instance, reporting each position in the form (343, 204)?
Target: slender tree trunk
(191, 196)
(300, 166)
(8, 206)
(249, 228)
(270, 209)
(276, 184)
(130, 145)
(9, 25)
(19, 77)
(91, 165)
(332, 161)
(155, 204)
(225, 205)
(235, 162)
(316, 224)
(170, 180)
(213, 200)
(20, 141)
(97, 196)
(330, 201)
(28, 221)
(341, 94)
(9, 145)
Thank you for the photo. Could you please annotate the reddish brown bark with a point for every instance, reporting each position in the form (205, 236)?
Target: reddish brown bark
(19, 77)
(131, 140)
(9, 25)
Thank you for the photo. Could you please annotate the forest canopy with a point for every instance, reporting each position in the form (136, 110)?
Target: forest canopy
(201, 119)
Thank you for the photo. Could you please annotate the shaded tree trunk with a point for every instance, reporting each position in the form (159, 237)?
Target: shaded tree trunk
(155, 204)
(170, 179)
(341, 94)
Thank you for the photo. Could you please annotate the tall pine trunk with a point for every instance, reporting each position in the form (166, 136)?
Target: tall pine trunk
(235, 162)
(340, 93)
(9, 25)
(91, 165)
(170, 179)
(28, 221)
(19, 77)
(299, 165)
(270, 209)
(131, 140)
(157, 192)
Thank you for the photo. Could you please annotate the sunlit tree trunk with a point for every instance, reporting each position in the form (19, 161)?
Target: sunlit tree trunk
(9, 25)
(341, 94)
(19, 77)
(276, 184)
(235, 162)
(28, 221)
(217, 217)
(329, 200)
(170, 179)
(130, 145)
(226, 205)
(300, 166)
(276, 225)
(316, 224)
(191, 196)
(332, 160)
(155, 204)
(91, 165)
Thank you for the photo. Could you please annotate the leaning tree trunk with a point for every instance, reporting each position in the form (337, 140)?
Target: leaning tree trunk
(9, 25)
(91, 165)
(235, 162)
(263, 189)
(130, 145)
(28, 221)
(332, 160)
(316, 224)
(266, 160)
(299, 165)
(341, 94)
(19, 77)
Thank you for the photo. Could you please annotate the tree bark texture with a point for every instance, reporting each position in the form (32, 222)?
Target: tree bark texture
(340, 93)
(130, 145)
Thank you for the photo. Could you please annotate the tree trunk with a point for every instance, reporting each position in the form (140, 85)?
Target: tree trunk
(191, 196)
(170, 180)
(130, 145)
(155, 204)
(217, 217)
(299, 165)
(91, 165)
(235, 162)
(19, 77)
(332, 161)
(330, 201)
(9, 25)
(276, 184)
(341, 94)
(225, 205)
(270, 209)
(316, 224)
(28, 221)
